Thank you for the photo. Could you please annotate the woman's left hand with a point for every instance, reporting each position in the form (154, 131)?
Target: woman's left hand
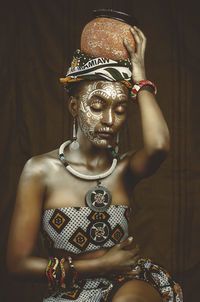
(137, 56)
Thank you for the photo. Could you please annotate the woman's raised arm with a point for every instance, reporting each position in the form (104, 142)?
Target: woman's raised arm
(156, 137)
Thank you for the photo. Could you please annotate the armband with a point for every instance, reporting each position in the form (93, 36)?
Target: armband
(136, 88)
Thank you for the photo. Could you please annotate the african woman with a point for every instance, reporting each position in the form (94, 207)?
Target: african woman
(81, 193)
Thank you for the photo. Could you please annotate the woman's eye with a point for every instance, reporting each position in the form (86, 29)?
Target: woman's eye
(121, 109)
(97, 107)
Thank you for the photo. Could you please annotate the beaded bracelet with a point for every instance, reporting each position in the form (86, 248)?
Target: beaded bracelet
(136, 88)
(73, 274)
(63, 274)
(56, 275)
(52, 273)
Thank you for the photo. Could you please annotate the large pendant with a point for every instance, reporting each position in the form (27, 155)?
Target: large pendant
(98, 199)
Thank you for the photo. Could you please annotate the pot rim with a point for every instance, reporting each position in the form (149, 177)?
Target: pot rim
(114, 14)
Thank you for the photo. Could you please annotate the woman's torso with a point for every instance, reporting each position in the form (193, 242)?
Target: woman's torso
(65, 200)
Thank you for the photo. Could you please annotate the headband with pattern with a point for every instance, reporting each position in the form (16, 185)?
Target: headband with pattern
(84, 67)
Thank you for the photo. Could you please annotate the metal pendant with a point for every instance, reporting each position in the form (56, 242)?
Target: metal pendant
(98, 199)
(99, 232)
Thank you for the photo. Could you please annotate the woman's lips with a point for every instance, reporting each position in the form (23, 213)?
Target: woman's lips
(106, 135)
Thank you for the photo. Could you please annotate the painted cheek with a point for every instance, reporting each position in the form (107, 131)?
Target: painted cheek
(89, 117)
(86, 109)
(88, 125)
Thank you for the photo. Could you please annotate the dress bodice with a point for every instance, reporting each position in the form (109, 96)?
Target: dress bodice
(80, 229)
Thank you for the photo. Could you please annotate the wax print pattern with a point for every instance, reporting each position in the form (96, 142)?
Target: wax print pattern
(156, 276)
(103, 289)
(79, 229)
(84, 67)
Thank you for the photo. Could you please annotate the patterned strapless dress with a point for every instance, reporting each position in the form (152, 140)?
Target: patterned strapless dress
(78, 230)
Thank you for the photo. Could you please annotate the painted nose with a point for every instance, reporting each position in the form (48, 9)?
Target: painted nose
(108, 118)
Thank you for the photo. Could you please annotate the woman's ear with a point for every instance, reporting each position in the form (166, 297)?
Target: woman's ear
(73, 106)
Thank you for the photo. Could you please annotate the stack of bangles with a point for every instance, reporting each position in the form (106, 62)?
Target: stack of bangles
(56, 275)
(139, 85)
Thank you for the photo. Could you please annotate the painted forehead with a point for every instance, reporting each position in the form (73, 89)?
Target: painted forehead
(107, 90)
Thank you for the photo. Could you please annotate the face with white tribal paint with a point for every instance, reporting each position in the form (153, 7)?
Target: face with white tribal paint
(102, 111)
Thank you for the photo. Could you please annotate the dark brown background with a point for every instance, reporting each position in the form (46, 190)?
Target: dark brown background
(37, 42)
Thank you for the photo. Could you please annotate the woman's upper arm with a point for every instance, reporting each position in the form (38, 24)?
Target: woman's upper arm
(143, 165)
(27, 212)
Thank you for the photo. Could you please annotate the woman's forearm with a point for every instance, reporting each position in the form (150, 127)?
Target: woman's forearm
(154, 127)
(34, 268)
(30, 268)
(90, 267)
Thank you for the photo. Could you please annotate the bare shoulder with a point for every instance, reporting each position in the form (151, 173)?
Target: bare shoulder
(39, 166)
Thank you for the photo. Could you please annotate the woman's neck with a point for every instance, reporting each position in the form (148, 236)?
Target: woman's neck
(89, 155)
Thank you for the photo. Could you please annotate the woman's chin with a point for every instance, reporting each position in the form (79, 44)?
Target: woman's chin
(102, 143)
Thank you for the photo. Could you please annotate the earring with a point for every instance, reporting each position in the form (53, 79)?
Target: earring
(74, 145)
(117, 144)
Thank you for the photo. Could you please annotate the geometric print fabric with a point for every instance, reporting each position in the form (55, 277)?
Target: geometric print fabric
(78, 229)
(97, 289)
(58, 220)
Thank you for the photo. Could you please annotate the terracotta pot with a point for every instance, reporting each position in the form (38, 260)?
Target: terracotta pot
(104, 35)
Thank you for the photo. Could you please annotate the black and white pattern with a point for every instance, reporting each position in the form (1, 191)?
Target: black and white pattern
(84, 67)
(78, 229)
(92, 291)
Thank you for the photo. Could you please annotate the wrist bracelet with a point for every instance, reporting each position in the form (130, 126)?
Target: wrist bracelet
(55, 273)
(63, 274)
(136, 88)
(52, 273)
(73, 274)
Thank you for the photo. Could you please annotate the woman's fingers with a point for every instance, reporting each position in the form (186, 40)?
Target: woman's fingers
(137, 39)
(132, 263)
(140, 40)
(143, 39)
(129, 48)
(125, 243)
(132, 255)
(129, 245)
(141, 34)
(135, 250)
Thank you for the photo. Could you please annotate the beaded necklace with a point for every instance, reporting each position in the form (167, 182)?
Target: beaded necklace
(99, 197)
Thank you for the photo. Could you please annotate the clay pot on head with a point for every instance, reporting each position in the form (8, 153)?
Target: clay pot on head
(104, 35)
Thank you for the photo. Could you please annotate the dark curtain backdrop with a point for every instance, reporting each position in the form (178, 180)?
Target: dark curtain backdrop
(37, 42)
